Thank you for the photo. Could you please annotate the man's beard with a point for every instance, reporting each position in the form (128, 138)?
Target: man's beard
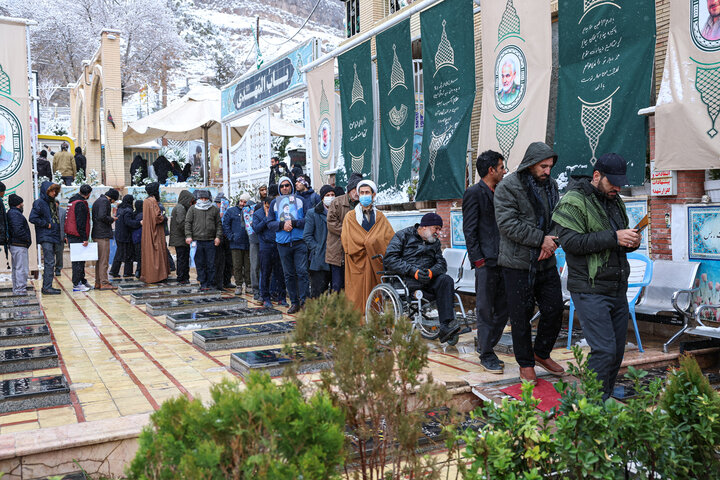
(430, 238)
(507, 89)
(542, 179)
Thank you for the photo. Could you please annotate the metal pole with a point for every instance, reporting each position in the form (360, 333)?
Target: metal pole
(207, 155)
(223, 156)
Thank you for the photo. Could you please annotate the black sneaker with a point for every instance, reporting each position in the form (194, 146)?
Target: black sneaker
(50, 291)
(492, 365)
(447, 332)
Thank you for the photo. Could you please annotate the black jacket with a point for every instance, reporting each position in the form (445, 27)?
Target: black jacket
(80, 160)
(102, 218)
(18, 228)
(4, 233)
(43, 168)
(141, 164)
(43, 213)
(611, 278)
(277, 172)
(163, 168)
(407, 252)
(125, 223)
(482, 236)
(81, 218)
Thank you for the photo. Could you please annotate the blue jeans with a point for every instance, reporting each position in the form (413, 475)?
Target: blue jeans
(270, 267)
(48, 253)
(294, 258)
(205, 263)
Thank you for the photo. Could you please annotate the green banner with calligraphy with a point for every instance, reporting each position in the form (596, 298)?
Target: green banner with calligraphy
(356, 106)
(606, 62)
(397, 106)
(448, 51)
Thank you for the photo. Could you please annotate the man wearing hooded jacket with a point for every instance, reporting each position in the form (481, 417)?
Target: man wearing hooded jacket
(44, 215)
(524, 202)
(287, 218)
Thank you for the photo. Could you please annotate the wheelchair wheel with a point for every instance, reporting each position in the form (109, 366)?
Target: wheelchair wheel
(428, 330)
(383, 298)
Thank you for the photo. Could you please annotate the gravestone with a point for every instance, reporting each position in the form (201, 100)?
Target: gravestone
(161, 307)
(24, 335)
(33, 392)
(140, 287)
(28, 358)
(273, 362)
(117, 281)
(17, 304)
(221, 318)
(23, 317)
(8, 291)
(242, 337)
(141, 298)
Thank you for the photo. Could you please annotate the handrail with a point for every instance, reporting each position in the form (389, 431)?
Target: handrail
(700, 309)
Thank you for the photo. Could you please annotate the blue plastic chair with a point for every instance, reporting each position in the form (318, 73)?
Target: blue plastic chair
(641, 270)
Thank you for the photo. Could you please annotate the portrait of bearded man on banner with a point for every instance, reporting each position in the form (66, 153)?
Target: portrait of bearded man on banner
(509, 88)
(710, 20)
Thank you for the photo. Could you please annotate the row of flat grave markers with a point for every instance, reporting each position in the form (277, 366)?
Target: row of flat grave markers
(23, 328)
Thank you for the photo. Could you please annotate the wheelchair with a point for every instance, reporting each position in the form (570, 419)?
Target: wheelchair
(393, 296)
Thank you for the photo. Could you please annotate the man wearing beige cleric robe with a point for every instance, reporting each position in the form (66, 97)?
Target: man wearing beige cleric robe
(365, 233)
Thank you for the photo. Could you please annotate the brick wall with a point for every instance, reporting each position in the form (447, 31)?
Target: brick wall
(443, 209)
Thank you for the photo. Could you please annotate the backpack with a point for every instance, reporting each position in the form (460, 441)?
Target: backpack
(70, 223)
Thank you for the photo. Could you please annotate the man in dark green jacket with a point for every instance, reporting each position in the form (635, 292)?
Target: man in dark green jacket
(203, 226)
(524, 201)
(177, 235)
(594, 233)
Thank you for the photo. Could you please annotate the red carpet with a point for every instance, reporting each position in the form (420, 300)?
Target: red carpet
(544, 391)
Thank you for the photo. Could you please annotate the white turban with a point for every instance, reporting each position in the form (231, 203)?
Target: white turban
(369, 183)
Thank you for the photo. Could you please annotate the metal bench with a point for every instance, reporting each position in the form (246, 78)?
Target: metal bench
(670, 293)
(460, 270)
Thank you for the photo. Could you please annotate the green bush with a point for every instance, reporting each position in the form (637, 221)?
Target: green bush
(263, 431)
(586, 437)
(380, 380)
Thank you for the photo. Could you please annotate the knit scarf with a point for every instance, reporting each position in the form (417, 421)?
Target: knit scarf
(586, 214)
(203, 204)
(537, 200)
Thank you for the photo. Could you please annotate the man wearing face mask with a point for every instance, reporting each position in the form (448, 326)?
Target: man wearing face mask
(315, 237)
(416, 254)
(365, 233)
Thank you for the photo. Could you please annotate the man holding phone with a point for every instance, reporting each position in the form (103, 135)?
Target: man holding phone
(594, 232)
(482, 238)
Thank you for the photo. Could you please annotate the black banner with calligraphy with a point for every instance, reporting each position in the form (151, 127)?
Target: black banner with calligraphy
(606, 60)
(448, 51)
(356, 105)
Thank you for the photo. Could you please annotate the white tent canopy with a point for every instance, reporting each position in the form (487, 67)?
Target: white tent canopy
(187, 118)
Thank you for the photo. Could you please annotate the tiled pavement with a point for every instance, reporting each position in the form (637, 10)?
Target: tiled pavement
(121, 361)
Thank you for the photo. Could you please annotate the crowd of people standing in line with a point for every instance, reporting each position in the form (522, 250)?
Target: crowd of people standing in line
(292, 242)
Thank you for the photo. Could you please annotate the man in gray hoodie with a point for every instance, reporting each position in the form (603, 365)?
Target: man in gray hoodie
(202, 225)
(524, 202)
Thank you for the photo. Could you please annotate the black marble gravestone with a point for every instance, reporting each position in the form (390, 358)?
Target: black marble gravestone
(161, 307)
(28, 358)
(221, 318)
(8, 292)
(243, 337)
(24, 335)
(139, 287)
(33, 392)
(15, 304)
(23, 317)
(139, 298)
(273, 362)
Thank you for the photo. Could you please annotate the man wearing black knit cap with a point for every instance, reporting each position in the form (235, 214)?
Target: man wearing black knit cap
(3, 221)
(416, 254)
(102, 232)
(20, 240)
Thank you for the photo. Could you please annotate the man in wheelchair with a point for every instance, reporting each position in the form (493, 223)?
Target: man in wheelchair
(415, 254)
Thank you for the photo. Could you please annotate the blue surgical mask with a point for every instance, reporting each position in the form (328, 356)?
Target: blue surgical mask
(366, 200)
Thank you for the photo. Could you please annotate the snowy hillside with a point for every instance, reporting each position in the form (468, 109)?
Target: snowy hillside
(280, 21)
